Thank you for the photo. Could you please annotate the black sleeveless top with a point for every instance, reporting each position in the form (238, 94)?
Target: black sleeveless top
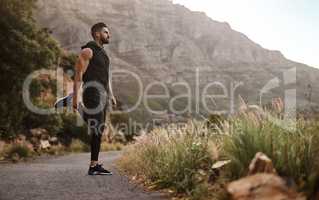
(98, 68)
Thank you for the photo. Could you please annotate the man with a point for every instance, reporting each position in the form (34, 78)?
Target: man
(92, 67)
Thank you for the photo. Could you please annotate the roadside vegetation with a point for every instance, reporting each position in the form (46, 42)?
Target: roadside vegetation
(182, 160)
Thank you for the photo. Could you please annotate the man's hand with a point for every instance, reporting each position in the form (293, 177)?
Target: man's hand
(114, 101)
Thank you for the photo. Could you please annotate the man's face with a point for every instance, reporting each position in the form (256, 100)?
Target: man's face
(105, 35)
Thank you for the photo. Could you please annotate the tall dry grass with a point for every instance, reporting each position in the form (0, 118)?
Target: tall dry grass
(175, 158)
(182, 158)
(294, 152)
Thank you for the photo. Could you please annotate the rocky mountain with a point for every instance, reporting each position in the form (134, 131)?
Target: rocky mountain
(165, 42)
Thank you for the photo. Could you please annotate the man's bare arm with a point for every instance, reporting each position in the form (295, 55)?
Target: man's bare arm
(80, 67)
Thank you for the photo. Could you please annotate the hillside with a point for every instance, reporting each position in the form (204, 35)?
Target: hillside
(161, 41)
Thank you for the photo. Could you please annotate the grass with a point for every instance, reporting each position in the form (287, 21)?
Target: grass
(294, 154)
(15, 152)
(172, 158)
(78, 146)
(181, 159)
(105, 146)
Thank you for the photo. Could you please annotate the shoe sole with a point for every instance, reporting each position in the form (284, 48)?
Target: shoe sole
(100, 173)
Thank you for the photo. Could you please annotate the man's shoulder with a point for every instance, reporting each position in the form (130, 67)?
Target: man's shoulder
(88, 49)
(91, 44)
(86, 53)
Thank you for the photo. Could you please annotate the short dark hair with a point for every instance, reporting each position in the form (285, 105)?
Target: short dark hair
(97, 28)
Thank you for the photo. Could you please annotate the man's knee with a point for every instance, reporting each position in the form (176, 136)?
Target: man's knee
(96, 127)
(93, 125)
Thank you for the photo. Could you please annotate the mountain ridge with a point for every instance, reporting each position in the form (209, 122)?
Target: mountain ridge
(162, 41)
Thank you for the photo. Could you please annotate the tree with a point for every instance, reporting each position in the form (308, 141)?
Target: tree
(24, 48)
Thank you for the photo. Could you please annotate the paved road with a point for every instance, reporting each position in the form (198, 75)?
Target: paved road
(66, 178)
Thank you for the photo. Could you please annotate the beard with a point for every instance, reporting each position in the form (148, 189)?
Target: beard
(105, 40)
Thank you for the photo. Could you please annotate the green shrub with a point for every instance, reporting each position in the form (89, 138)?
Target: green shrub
(181, 158)
(78, 146)
(168, 159)
(25, 48)
(122, 122)
(70, 130)
(105, 146)
(17, 151)
(294, 154)
(215, 121)
(53, 123)
(68, 62)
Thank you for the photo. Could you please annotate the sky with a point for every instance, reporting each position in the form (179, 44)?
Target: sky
(290, 26)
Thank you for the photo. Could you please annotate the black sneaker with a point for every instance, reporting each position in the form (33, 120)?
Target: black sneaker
(98, 170)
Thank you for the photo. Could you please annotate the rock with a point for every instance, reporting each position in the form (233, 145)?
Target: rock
(37, 132)
(45, 136)
(262, 187)
(44, 144)
(54, 141)
(220, 164)
(216, 170)
(35, 141)
(261, 164)
(20, 139)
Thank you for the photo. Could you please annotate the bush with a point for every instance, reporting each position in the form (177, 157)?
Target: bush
(105, 146)
(122, 122)
(68, 61)
(25, 48)
(70, 130)
(294, 154)
(17, 151)
(181, 158)
(78, 146)
(53, 123)
(167, 159)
